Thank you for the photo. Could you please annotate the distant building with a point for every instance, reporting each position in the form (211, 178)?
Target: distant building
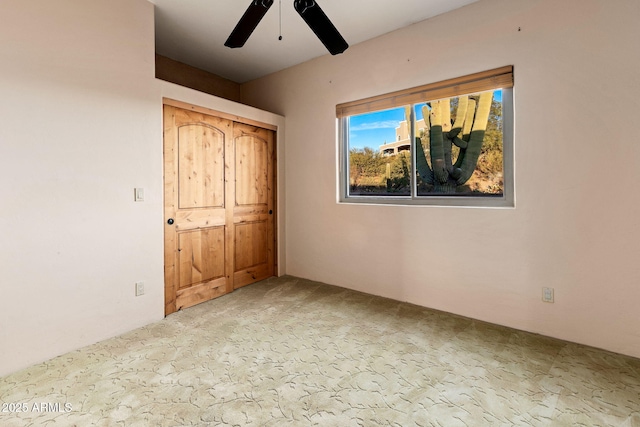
(403, 138)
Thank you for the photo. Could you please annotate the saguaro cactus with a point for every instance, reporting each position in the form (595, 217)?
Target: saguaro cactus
(467, 133)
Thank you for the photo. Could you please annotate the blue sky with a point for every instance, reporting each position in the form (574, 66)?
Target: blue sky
(374, 129)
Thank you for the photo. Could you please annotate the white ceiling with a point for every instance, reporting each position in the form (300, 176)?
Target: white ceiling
(194, 31)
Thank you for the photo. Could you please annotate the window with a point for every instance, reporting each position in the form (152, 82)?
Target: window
(447, 143)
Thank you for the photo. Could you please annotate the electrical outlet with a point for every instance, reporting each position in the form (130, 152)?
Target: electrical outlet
(139, 288)
(547, 294)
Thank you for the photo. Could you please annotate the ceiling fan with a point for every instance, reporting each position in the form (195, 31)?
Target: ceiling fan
(309, 10)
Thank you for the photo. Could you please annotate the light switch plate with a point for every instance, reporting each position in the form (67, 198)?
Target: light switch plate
(139, 194)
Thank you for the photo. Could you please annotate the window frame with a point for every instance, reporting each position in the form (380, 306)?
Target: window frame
(499, 78)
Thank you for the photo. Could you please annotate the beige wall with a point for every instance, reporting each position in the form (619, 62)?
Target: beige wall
(574, 227)
(81, 128)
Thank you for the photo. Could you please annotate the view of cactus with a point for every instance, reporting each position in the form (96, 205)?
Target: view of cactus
(442, 134)
(458, 148)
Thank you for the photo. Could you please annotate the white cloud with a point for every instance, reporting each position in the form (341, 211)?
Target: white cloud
(385, 124)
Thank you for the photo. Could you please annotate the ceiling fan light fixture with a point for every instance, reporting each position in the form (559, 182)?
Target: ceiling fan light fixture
(324, 29)
(248, 23)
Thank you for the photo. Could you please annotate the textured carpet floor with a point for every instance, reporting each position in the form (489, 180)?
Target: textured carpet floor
(290, 352)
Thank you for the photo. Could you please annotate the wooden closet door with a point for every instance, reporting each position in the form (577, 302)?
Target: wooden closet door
(253, 213)
(219, 178)
(198, 243)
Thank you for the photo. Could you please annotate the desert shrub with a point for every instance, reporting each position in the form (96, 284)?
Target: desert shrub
(366, 167)
(400, 176)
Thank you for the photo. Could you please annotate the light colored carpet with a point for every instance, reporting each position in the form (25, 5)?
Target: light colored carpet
(290, 352)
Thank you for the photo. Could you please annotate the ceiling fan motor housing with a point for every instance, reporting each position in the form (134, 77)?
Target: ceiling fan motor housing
(310, 12)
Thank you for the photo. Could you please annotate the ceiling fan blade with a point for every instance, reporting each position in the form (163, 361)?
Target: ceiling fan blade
(320, 24)
(249, 21)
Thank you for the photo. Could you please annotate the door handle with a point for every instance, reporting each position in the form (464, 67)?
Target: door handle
(270, 212)
(170, 221)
